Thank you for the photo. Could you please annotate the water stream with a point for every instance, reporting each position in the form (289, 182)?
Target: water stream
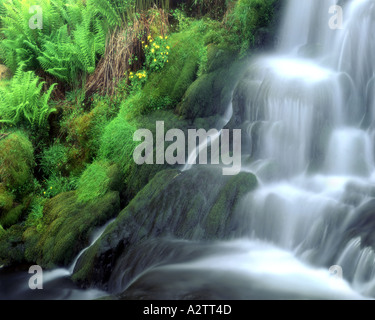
(310, 118)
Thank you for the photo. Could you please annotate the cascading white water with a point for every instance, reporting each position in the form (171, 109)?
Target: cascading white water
(309, 116)
(315, 108)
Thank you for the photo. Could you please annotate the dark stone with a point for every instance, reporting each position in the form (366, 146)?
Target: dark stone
(198, 204)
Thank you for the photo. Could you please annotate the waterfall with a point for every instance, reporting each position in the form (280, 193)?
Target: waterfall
(314, 109)
(308, 110)
(309, 114)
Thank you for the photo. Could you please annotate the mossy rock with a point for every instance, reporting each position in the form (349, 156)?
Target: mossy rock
(97, 180)
(199, 204)
(139, 175)
(16, 163)
(211, 94)
(12, 246)
(12, 216)
(67, 225)
(6, 200)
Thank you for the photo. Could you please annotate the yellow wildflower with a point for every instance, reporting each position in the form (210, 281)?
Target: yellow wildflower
(149, 37)
(161, 37)
(146, 46)
(152, 50)
(168, 47)
(154, 60)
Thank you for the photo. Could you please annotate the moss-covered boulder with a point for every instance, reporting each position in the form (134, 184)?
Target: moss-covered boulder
(198, 204)
(16, 176)
(16, 162)
(97, 180)
(68, 226)
(11, 246)
(211, 93)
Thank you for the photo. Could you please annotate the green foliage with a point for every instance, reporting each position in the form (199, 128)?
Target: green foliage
(247, 17)
(83, 130)
(94, 182)
(11, 245)
(137, 80)
(117, 143)
(22, 102)
(165, 89)
(57, 184)
(12, 216)
(35, 216)
(156, 51)
(67, 224)
(53, 159)
(72, 37)
(6, 200)
(16, 162)
(54, 165)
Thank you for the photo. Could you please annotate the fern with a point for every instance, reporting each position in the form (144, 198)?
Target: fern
(22, 101)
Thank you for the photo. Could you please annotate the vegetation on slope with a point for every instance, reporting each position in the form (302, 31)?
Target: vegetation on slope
(73, 93)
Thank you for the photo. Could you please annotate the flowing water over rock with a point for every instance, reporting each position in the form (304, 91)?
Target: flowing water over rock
(308, 111)
(307, 115)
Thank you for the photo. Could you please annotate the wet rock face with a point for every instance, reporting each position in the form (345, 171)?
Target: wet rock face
(5, 73)
(205, 201)
(362, 224)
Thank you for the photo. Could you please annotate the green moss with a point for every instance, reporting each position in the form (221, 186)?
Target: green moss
(11, 246)
(6, 201)
(211, 93)
(249, 20)
(97, 180)
(236, 187)
(67, 225)
(117, 143)
(12, 216)
(196, 204)
(139, 175)
(16, 163)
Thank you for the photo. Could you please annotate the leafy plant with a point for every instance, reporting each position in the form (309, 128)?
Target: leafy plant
(53, 159)
(117, 143)
(57, 184)
(246, 18)
(35, 216)
(22, 101)
(94, 182)
(157, 52)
